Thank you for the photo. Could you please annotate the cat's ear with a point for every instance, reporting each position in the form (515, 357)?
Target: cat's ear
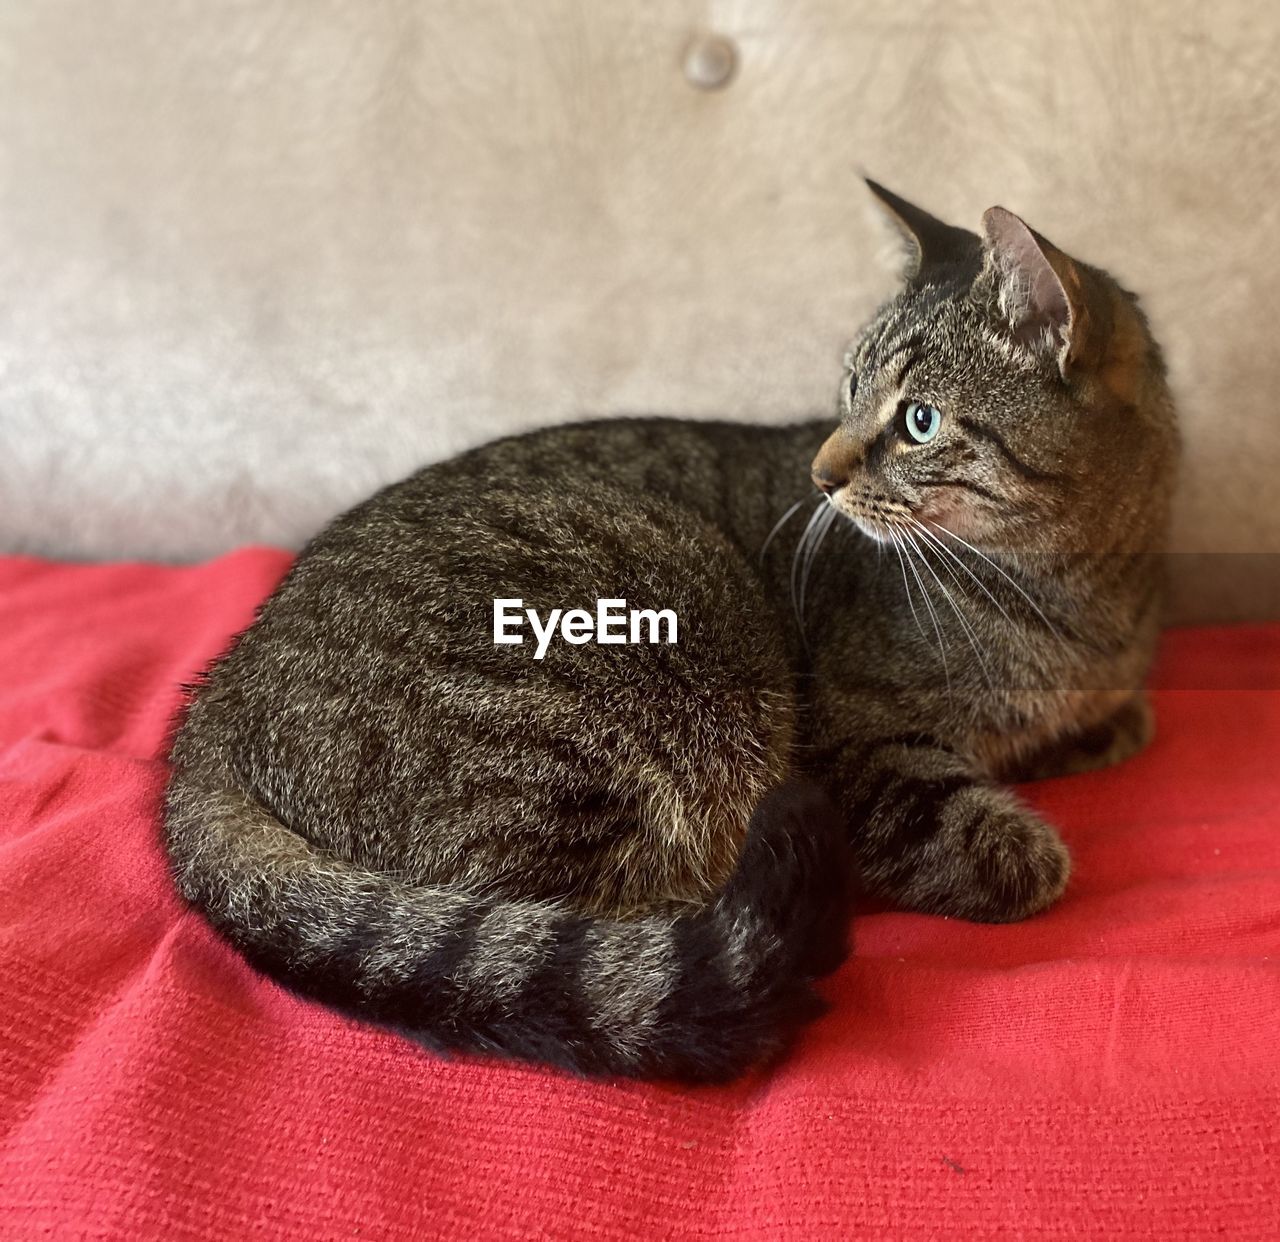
(929, 242)
(1045, 297)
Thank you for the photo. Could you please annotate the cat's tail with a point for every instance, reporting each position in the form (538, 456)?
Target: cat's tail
(699, 996)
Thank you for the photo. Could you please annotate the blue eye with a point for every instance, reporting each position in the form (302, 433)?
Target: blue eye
(921, 421)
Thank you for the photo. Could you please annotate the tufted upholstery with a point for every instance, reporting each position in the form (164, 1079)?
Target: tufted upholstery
(258, 258)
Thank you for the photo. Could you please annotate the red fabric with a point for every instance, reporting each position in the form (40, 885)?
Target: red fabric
(1109, 1069)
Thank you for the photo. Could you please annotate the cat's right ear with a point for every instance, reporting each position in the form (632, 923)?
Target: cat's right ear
(928, 241)
(1049, 301)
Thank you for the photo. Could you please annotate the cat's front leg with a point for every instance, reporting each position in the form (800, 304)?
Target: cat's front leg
(930, 833)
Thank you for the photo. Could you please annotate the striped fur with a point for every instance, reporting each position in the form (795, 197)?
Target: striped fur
(699, 994)
(596, 860)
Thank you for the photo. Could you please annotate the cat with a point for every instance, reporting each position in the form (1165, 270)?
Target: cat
(636, 860)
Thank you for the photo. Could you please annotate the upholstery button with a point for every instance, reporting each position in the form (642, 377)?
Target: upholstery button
(710, 61)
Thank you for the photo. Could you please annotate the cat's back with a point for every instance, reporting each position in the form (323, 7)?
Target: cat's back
(371, 689)
(733, 475)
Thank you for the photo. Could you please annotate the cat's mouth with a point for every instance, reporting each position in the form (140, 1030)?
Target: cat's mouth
(876, 516)
(879, 529)
(881, 517)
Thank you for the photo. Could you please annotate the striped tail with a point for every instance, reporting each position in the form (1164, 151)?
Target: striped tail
(699, 996)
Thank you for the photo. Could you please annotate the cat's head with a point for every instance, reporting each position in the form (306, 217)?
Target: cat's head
(1008, 393)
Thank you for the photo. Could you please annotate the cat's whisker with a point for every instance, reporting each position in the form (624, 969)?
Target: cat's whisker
(1012, 582)
(965, 624)
(778, 525)
(982, 586)
(933, 616)
(796, 560)
(961, 586)
(805, 561)
(936, 545)
(905, 584)
(824, 526)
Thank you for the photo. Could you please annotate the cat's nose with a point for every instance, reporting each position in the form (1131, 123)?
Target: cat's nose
(827, 482)
(836, 462)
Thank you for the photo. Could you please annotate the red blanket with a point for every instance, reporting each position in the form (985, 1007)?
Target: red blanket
(1109, 1069)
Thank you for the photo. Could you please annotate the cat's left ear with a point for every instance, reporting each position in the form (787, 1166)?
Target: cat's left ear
(1045, 297)
(929, 243)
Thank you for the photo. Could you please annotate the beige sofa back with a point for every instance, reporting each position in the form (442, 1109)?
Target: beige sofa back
(257, 259)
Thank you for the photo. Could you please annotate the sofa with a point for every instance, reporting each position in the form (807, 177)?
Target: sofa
(258, 260)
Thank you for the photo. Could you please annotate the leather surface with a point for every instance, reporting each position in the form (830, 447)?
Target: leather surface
(259, 258)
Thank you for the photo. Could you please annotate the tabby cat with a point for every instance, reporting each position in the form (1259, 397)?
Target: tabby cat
(636, 859)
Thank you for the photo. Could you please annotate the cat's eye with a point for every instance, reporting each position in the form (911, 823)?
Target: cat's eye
(921, 421)
(852, 386)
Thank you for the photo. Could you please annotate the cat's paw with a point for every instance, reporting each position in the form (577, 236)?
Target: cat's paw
(995, 862)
